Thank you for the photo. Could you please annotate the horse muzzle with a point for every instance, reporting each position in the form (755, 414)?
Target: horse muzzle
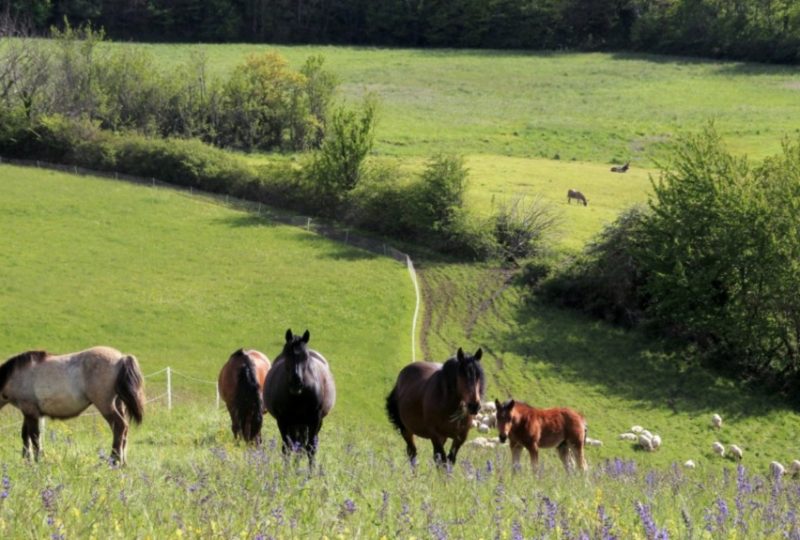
(295, 390)
(502, 438)
(474, 407)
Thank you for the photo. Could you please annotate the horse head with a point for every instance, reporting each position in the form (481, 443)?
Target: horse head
(295, 351)
(471, 381)
(504, 418)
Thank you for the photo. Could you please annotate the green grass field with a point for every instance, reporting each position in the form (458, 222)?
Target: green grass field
(182, 282)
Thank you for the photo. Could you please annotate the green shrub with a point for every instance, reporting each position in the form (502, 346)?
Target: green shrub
(521, 227)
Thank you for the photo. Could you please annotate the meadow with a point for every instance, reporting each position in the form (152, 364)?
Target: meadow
(181, 282)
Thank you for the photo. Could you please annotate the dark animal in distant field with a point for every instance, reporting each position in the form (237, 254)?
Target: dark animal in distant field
(531, 428)
(299, 392)
(62, 387)
(437, 402)
(621, 168)
(241, 386)
(577, 195)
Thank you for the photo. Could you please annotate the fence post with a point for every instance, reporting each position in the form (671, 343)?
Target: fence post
(169, 389)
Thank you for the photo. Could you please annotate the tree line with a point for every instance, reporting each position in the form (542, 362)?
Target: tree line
(763, 30)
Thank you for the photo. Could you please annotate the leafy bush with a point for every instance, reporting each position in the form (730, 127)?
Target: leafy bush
(520, 227)
(606, 280)
(338, 166)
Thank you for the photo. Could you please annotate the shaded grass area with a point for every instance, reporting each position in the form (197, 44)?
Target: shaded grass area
(178, 281)
(550, 357)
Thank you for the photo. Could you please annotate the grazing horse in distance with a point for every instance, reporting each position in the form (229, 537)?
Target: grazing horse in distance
(531, 428)
(437, 402)
(299, 392)
(621, 168)
(62, 387)
(577, 195)
(241, 386)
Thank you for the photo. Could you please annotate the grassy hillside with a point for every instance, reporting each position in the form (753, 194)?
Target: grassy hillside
(181, 282)
(589, 107)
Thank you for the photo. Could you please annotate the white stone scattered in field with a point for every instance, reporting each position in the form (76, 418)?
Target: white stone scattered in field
(483, 428)
(716, 420)
(717, 448)
(689, 464)
(593, 442)
(735, 451)
(628, 437)
(637, 429)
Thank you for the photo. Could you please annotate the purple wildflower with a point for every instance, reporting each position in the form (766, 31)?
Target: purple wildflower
(348, 508)
(605, 524)
(438, 531)
(646, 516)
(516, 531)
(722, 513)
(551, 509)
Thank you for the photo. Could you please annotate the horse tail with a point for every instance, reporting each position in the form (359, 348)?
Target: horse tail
(393, 409)
(248, 401)
(130, 388)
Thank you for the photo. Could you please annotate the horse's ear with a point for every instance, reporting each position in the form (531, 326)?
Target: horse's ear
(511, 403)
(498, 404)
(289, 336)
(460, 354)
(306, 336)
(478, 354)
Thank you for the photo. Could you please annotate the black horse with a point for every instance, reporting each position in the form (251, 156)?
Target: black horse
(299, 392)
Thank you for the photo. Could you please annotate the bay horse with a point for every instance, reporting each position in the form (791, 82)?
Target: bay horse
(531, 428)
(577, 195)
(621, 168)
(241, 386)
(299, 392)
(437, 402)
(61, 387)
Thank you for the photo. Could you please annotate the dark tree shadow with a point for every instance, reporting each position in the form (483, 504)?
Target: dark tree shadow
(628, 364)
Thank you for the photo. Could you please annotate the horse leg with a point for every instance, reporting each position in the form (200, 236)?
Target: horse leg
(411, 448)
(533, 450)
(26, 440)
(438, 450)
(580, 457)
(564, 454)
(457, 442)
(31, 424)
(235, 427)
(311, 444)
(516, 451)
(118, 427)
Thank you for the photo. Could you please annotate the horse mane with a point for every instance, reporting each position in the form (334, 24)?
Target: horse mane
(18, 362)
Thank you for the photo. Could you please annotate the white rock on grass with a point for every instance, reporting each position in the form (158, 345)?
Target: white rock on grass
(689, 464)
(483, 428)
(628, 437)
(593, 442)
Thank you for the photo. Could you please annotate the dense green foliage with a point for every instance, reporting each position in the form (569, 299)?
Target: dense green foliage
(715, 261)
(766, 30)
(262, 105)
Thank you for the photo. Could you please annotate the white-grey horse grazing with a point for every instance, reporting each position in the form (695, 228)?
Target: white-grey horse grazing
(577, 195)
(64, 386)
(299, 392)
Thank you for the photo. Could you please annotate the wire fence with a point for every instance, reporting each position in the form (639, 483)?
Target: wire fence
(330, 230)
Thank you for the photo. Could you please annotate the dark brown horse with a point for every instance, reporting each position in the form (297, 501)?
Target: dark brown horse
(241, 385)
(621, 168)
(62, 387)
(299, 392)
(437, 402)
(527, 427)
(577, 195)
